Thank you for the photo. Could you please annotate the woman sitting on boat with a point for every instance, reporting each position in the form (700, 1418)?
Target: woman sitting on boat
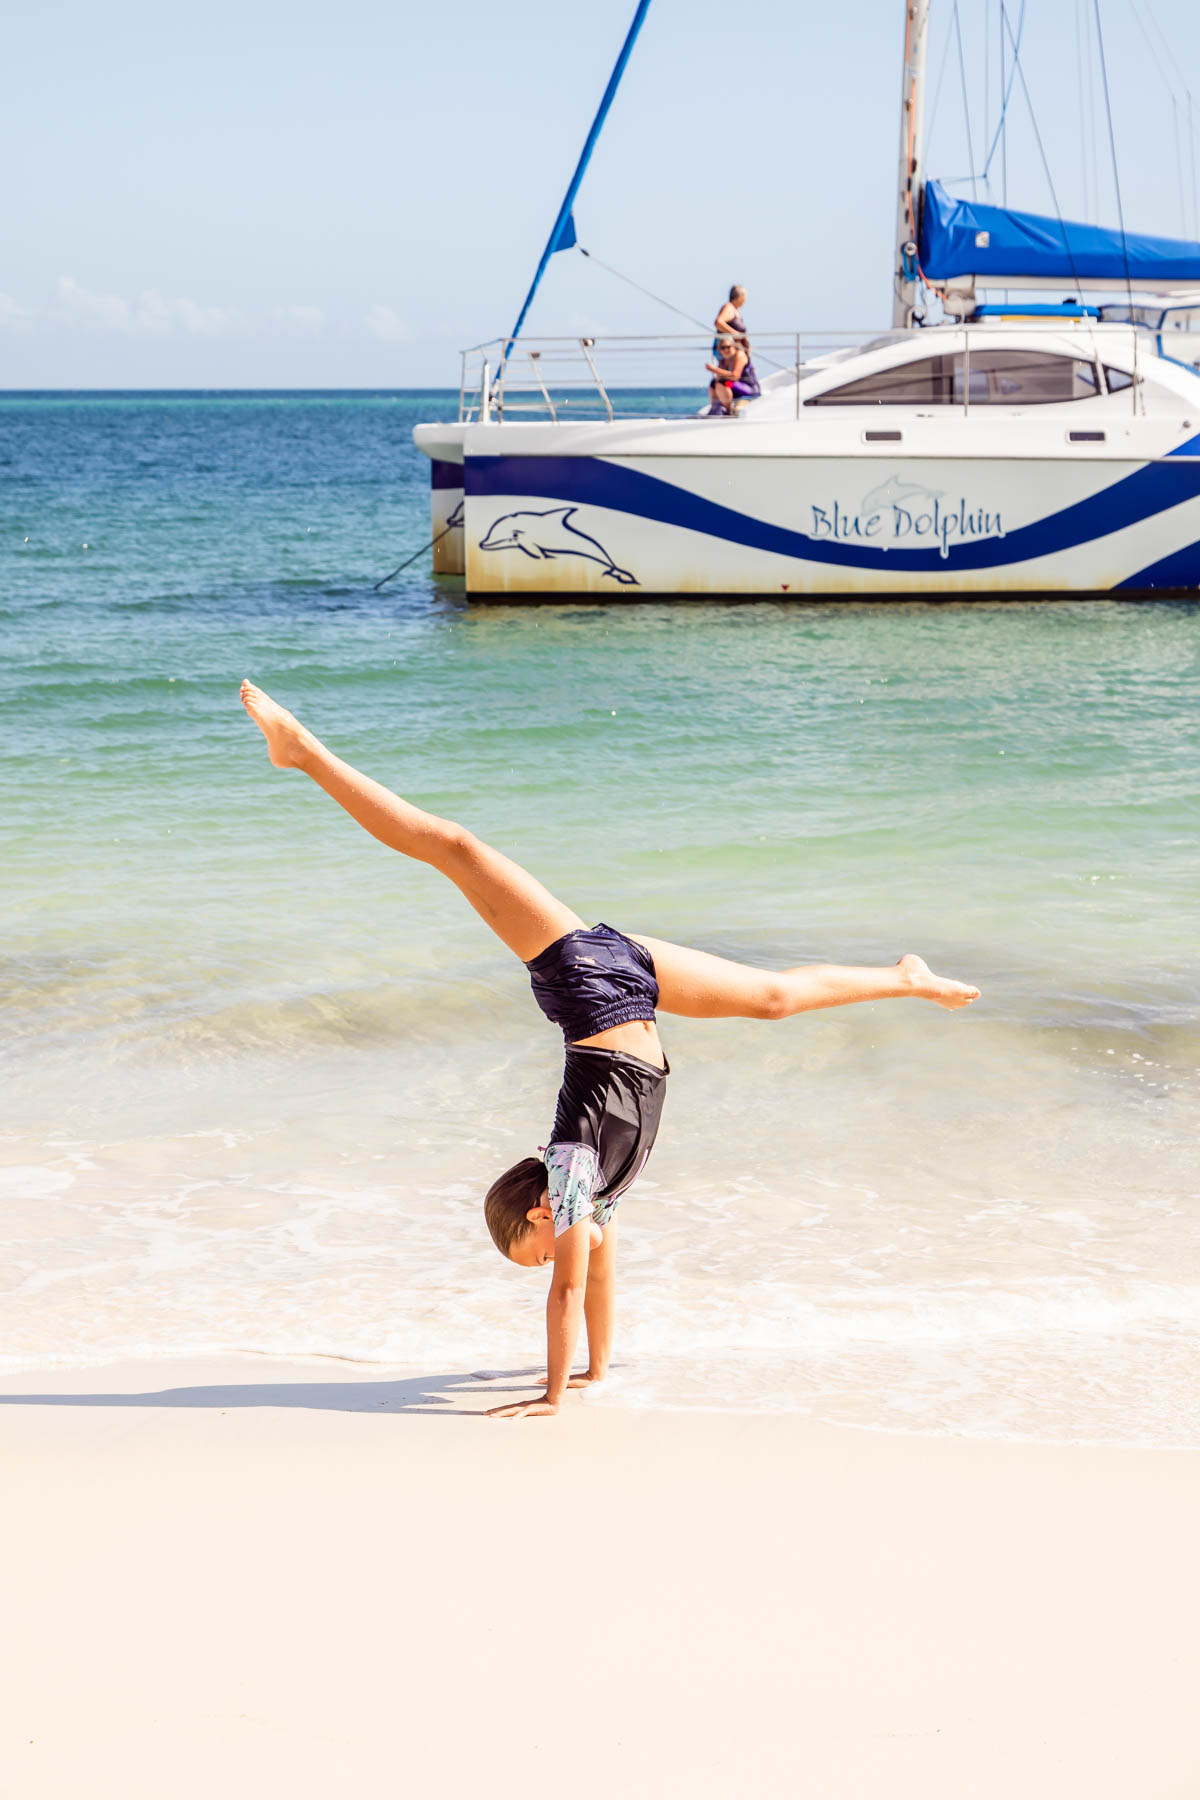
(734, 382)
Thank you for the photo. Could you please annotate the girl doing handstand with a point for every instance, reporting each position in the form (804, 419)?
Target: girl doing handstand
(603, 988)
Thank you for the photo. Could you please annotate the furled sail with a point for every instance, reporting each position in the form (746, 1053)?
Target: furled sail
(562, 234)
(962, 237)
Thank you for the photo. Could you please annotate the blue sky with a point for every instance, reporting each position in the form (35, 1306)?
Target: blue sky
(261, 194)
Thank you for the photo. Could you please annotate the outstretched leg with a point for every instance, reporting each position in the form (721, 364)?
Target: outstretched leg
(521, 912)
(701, 986)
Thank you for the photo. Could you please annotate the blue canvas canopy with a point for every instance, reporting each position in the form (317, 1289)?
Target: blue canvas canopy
(961, 237)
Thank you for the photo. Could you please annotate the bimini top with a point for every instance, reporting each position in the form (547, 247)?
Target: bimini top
(961, 237)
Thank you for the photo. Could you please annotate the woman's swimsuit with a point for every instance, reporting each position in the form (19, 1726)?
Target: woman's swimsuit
(735, 327)
(746, 386)
(610, 1103)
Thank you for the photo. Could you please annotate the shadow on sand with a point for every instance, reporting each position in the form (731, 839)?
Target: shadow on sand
(437, 1396)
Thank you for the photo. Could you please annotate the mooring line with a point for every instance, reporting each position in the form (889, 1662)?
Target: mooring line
(409, 560)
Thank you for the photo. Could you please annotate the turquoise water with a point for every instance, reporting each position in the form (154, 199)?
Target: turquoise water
(257, 1071)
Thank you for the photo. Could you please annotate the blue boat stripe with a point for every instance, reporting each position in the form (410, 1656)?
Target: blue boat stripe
(1180, 571)
(445, 474)
(1191, 448)
(591, 481)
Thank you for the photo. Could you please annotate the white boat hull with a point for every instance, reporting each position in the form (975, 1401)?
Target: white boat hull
(925, 527)
(1099, 496)
(446, 518)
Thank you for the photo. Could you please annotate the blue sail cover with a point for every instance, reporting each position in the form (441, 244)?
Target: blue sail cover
(961, 237)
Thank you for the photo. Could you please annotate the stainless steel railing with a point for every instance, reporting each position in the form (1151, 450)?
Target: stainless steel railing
(591, 377)
(610, 377)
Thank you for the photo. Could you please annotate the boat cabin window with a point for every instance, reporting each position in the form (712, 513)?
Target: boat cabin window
(927, 382)
(1117, 379)
(998, 378)
(1025, 378)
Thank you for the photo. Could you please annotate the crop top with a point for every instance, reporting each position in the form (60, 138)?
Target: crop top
(609, 1110)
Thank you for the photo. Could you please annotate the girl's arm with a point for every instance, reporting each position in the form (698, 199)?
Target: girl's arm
(565, 1308)
(599, 1306)
(564, 1316)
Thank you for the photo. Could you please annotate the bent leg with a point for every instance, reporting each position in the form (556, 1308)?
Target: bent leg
(700, 986)
(522, 913)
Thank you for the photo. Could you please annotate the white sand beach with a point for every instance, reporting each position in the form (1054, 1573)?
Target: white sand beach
(251, 1577)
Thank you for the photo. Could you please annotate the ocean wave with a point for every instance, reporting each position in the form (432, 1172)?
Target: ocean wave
(235, 992)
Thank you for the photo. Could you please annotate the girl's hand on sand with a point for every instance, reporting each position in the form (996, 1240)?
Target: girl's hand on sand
(524, 1409)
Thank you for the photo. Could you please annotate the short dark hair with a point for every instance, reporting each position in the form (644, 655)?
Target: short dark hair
(737, 289)
(509, 1199)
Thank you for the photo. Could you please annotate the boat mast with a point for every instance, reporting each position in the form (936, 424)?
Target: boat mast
(912, 101)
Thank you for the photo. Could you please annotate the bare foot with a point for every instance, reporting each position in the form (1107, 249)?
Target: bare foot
(287, 740)
(938, 988)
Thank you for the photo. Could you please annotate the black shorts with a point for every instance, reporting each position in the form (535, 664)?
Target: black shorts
(589, 981)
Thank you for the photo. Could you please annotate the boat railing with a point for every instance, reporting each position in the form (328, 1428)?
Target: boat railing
(611, 377)
(635, 377)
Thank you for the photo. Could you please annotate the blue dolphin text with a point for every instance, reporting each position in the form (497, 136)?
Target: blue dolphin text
(894, 524)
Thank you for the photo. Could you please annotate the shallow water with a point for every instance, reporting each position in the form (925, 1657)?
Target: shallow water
(257, 1071)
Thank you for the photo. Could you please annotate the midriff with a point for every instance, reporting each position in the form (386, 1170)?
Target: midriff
(638, 1038)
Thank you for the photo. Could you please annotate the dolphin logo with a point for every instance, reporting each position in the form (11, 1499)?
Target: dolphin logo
(544, 535)
(895, 492)
(456, 518)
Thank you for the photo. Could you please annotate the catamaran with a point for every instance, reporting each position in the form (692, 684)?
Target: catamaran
(980, 446)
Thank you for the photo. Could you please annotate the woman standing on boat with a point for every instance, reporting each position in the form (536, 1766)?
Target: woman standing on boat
(729, 321)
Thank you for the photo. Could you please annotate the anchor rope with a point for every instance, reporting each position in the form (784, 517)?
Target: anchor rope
(409, 560)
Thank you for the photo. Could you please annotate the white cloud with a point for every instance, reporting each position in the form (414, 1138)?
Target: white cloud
(153, 314)
(150, 314)
(383, 323)
(194, 317)
(12, 313)
(80, 306)
(300, 318)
